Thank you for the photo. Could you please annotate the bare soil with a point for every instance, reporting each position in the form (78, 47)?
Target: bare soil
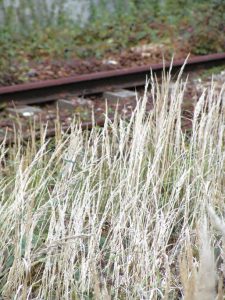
(141, 55)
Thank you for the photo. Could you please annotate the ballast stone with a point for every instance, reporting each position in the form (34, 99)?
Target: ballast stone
(71, 104)
(24, 111)
(119, 95)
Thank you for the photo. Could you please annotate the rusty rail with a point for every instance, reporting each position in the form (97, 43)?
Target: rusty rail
(51, 90)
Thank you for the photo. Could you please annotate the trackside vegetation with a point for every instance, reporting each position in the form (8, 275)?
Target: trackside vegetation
(34, 31)
(133, 210)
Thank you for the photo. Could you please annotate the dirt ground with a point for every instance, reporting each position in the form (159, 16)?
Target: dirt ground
(141, 55)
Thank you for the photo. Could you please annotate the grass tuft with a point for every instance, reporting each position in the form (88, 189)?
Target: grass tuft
(107, 214)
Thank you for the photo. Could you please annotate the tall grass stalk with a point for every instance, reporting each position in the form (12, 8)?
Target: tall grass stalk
(107, 214)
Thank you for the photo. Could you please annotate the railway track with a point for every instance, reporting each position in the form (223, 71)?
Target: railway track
(81, 93)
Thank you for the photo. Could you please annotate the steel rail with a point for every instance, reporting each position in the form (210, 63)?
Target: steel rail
(51, 90)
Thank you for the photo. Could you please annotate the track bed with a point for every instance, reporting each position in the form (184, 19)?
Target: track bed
(61, 106)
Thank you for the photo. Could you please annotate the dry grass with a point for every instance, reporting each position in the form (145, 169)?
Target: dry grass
(109, 214)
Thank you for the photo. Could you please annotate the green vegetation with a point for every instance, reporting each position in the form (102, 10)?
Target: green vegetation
(122, 212)
(212, 71)
(196, 26)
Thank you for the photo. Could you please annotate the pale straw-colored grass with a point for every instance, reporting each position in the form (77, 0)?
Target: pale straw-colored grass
(110, 213)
